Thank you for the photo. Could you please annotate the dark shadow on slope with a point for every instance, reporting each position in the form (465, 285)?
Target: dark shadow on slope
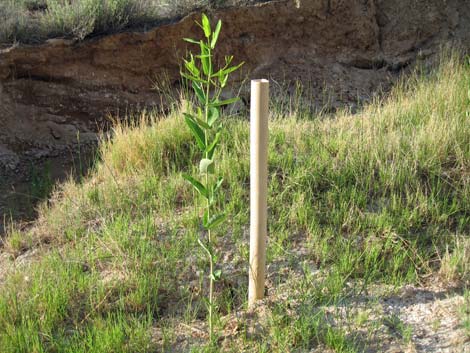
(33, 183)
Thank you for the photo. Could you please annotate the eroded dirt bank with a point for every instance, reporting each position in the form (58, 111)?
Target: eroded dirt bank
(60, 92)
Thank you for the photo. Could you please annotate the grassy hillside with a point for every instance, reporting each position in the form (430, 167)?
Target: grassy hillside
(32, 21)
(36, 20)
(357, 204)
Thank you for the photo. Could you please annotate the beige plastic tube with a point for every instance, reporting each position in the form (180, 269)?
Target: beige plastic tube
(258, 188)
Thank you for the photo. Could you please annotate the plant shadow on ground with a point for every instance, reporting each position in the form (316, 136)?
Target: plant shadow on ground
(358, 205)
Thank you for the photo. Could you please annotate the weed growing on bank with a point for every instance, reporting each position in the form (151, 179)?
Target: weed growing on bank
(206, 126)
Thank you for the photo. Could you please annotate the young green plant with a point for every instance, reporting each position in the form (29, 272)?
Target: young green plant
(205, 125)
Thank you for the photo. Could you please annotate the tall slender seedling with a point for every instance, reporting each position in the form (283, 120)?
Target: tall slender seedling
(205, 125)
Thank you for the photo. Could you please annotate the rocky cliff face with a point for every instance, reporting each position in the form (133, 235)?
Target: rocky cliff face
(350, 48)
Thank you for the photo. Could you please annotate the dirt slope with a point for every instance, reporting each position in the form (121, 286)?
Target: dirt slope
(346, 50)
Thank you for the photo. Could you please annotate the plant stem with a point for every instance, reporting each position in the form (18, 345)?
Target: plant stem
(211, 291)
(211, 262)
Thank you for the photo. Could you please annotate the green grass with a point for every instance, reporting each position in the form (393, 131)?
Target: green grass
(465, 313)
(378, 198)
(397, 327)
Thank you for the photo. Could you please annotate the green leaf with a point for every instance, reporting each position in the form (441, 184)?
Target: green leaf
(199, 92)
(206, 166)
(216, 33)
(233, 68)
(200, 114)
(204, 247)
(211, 147)
(218, 184)
(191, 67)
(227, 70)
(203, 124)
(196, 131)
(189, 40)
(223, 80)
(200, 119)
(215, 220)
(205, 218)
(222, 77)
(206, 26)
(213, 115)
(215, 189)
(216, 275)
(192, 78)
(211, 154)
(204, 57)
(225, 102)
(197, 185)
